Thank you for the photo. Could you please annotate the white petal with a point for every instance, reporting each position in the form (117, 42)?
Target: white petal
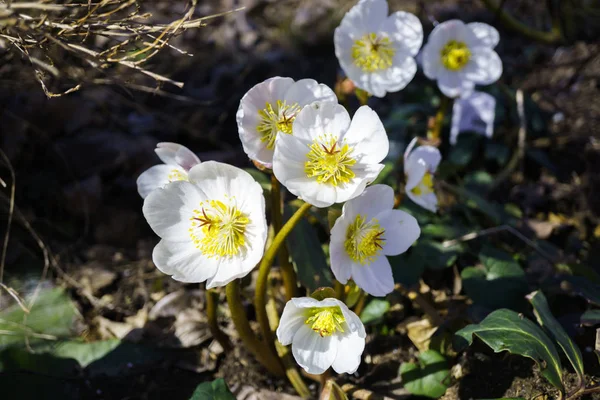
(305, 302)
(405, 28)
(219, 179)
(430, 154)
(414, 169)
(454, 83)
(349, 353)
(183, 261)
(485, 66)
(292, 318)
(374, 200)
(168, 210)
(431, 60)
(473, 113)
(155, 177)
(367, 134)
(312, 352)
(229, 269)
(375, 278)
(365, 17)
(487, 35)
(321, 118)
(176, 154)
(306, 91)
(340, 262)
(427, 201)
(401, 231)
(395, 78)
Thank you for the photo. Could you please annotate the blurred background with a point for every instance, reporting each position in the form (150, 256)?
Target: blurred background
(79, 247)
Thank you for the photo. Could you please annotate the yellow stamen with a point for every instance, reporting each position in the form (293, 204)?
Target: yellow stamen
(273, 119)
(177, 175)
(329, 162)
(455, 55)
(325, 320)
(218, 229)
(364, 240)
(425, 186)
(373, 53)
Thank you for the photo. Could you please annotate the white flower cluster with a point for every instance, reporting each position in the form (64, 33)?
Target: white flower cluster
(210, 216)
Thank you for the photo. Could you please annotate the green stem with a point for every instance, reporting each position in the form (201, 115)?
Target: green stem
(360, 304)
(284, 354)
(240, 321)
(212, 301)
(287, 269)
(263, 275)
(434, 134)
(554, 36)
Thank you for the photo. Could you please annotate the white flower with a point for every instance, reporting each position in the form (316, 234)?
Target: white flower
(269, 108)
(367, 231)
(177, 159)
(376, 51)
(213, 228)
(419, 167)
(330, 159)
(473, 113)
(323, 334)
(460, 56)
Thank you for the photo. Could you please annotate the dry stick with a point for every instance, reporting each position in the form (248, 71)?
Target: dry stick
(554, 36)
(260, 298)
(212, 303)
(11, 210)
(287, 269)
(242, 326)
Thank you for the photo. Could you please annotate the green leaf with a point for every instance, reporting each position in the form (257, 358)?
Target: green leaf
(498, 152)
(374, 311)
(260, 177)
(106, 358)
(53, 314)
(386, 172)
(506, 330)
(307, 254)
(466, 145)
(215, 390)
(585, 288)
(590, 318)
(428, 377)
(556, 331)
(500, 283)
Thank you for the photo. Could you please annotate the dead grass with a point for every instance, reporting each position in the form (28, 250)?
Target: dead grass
(71, 43)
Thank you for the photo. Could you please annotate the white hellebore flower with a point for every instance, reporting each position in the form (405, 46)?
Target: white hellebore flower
(213, 228)
(419, 167)
(460, 56)
(376, 51)
(473, 113)
(269, 108)
(323, 334)
(177, 159)
(330, 159)
(367, 231)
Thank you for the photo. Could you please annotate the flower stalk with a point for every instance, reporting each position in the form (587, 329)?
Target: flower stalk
(242, 326)
(435, 132)
(287, 269)
(212, 301)
(260, 298)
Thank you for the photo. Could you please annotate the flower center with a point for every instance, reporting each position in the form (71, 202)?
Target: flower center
(329, 162)
(373, 53)
(455, 55)
(364, 240)
(274, 119)
(425, 186)
(218, 229)
(177, 175)
(326, 320)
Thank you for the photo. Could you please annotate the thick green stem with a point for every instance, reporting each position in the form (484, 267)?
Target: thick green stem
(287, 269)
(434, 134)
(554, 36)
(260, 298)
(212, 302)
(240, 320)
